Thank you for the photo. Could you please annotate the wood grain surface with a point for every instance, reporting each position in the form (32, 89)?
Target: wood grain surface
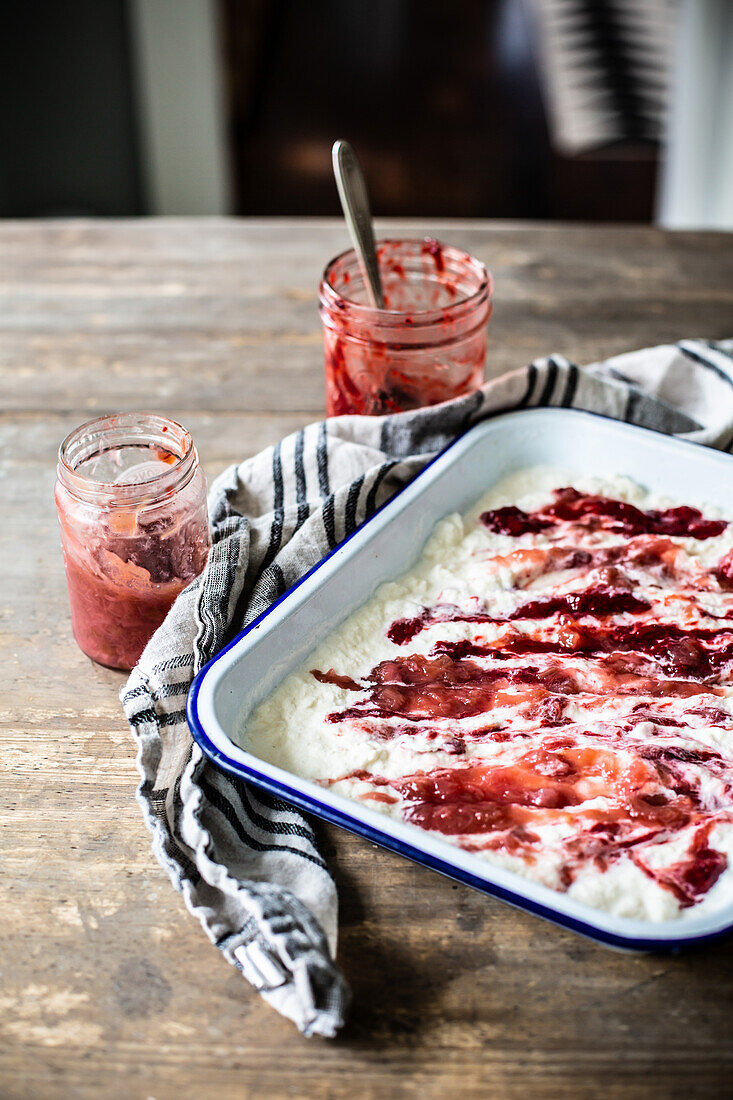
(109, 988)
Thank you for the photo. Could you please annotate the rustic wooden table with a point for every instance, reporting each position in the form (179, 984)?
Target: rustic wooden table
(109, 988)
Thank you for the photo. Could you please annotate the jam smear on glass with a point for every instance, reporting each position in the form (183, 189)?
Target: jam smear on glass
(426, 346)
(131, 501)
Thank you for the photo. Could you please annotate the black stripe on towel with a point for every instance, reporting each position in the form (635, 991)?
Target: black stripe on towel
(633, 400)
(351, 505)
(371, 500)
(184, 660)
(301, 492)
(571, 385)
(279, 579)
(172, 718)
(273, 802)
(300, 489)
(267, 825)
(276, 531)
(329, 521)
(322, 460)
(225, 808)
(698, 358)
(165, 691)
(614, 372)
(143, 716)
(531, 383)
(550, 379)
(213, 600)
(134, 693)
(149, 715)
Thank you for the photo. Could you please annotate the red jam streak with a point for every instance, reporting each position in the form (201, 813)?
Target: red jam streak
(693, 653)
(603, 513)
(431, 247)
(645, 804)
(690, 879)
(723, 572)
(332, 677)
(418, 687)
(598, 600)
(628, 775)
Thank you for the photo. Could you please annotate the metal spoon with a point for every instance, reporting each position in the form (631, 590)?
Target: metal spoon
(355, 204)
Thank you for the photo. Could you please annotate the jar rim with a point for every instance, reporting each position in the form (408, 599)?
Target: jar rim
(132, 426)
(331, 297)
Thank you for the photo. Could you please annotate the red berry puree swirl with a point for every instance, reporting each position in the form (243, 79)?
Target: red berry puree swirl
(595, 694)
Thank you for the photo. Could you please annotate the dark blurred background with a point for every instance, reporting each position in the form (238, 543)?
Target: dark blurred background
(442, 100)
(470, 108)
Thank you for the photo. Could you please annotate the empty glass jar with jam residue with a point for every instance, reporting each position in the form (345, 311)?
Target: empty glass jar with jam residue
(131, 500)
(427, 345)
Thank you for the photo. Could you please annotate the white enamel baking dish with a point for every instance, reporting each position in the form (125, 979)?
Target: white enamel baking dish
(385, 546)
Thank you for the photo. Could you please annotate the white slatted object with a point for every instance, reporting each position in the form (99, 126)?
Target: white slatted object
(696, 180)
(605, 68)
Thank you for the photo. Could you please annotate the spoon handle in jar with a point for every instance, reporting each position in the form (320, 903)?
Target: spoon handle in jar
(354, 197)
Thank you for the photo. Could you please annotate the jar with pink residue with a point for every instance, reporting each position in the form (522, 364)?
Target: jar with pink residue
(426, 346)
(131, 501)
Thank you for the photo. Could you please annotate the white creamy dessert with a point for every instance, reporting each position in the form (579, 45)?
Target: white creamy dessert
(550, 688)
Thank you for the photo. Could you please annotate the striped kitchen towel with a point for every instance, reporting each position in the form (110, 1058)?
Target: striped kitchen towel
(247, 864)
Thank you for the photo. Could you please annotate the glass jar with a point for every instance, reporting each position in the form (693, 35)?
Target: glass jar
(428, 344)
(131, 501)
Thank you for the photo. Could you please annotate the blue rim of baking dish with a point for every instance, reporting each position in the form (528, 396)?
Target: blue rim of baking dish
(336, 816)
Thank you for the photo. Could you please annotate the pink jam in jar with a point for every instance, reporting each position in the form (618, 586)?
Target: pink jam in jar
(428, 344)
(131, 501)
